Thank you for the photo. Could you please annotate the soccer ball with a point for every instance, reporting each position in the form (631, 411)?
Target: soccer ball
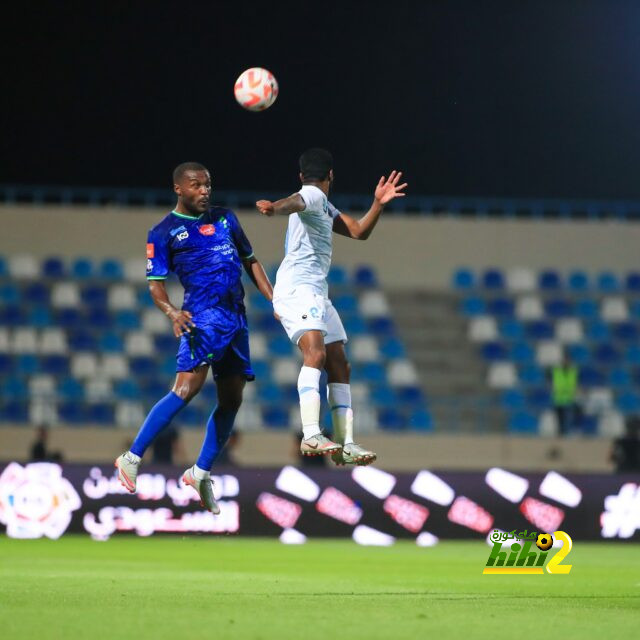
(256, 89)
(544, 541)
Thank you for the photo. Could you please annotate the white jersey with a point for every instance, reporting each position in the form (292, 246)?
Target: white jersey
(308, 245)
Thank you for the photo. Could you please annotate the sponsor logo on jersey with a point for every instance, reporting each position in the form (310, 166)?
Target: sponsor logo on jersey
(177, 230)
(183, 236)
(151, 249)
(207, 229)
(149, 265)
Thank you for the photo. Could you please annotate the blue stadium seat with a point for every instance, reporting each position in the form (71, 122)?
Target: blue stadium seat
(531, 375)
(70, 318)
(39, 317)
(420, 420)
(549, 280)
(290, 393)
(111, 342)
(82, 340)
(494, 351)
(392, 348)
(558, 308)
(493, 279)
(381, 326)
(587, 309)
(111, 269)
(269, 393)
(501, 307)
(370, 372)
(587, 424)
(27, 364)
(12, 316)
(391, 419)
(632, 282)
(280, 345)
(258, 302)
(619, 377)
(36, 293)
(260, 368)
(14, 411)
(578, 353)
(4, 271)
(6, 364)
(101, 413)
(632, 354)
(539, 398)
(578, 282)
(166, 343)
(9, 293)
(154, 388)
(382, 395)
(99, 318)
(523, 422)
(512, 400)
(95, 295)
(82, 268)
(70, 389)
(409, 395)
(591, 377)
(628, 402)
(193, 416)
(345, 303)
(354, 325)
(127, 389)
(337, 276)
(539, 330)
(597, 330)
(55, 365)
(266, 322)
(126, 320)
(522, 353)
(463, 279)
(608, 282)
(511, 329)
(72, 412)
(143, 366)
(473, 306)
(53, 267)
(168, 366)
(626, 331)
(144, 298)
(365, 276)
(634, 308)
(14, 388)
(275, 417)
(606, 354)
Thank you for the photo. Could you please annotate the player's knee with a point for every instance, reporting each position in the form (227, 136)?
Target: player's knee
(186, 391)
(315, 357)
(231, 403)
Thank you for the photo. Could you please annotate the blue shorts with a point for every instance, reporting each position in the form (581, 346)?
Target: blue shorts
(219, 339)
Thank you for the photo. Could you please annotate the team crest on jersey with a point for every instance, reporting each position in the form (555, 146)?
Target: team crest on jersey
(207, 229)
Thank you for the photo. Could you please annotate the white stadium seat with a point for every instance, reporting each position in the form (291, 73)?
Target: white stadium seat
(502, 375)
(611, 424)
(248, 417)
(529, 308)
(84, 365)
(359, 393)
(373, 304)
(53, 341)
(98, 390)
(138, 343)
(129, 414)
(258, 346)
(24, 340)
(43, 411)
(65, 294)
(23, 267)
(114, 366)
(569, 331)
(285, 371)
(42, 386)
(364, 349)
(521, 280)
(155, 322)
(402, 372)
(135, 270)
(548, 353)
(614, 309)
(5, 340)
(121, 296)
(483, 329)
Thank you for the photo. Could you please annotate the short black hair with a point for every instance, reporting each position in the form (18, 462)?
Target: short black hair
(315, 164)
(181, 169)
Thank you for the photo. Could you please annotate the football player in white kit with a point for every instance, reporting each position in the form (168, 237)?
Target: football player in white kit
(301, 299)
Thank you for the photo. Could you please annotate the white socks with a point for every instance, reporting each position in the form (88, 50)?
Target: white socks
(199, 474)
(308, 390)
(339, 397)
(133, 457)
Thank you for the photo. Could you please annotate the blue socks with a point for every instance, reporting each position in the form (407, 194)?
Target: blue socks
(219, 428)
(157, 419)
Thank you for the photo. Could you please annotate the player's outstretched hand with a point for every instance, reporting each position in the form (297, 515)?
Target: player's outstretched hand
(182, 322)
(265, 207)
(388, 188)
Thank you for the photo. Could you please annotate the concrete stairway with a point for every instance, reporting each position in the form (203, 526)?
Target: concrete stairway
(452, 373)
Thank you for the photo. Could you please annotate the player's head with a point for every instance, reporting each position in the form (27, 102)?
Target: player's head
(192, 183)
(316, 165)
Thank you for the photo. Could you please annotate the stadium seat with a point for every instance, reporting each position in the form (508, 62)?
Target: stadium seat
(373, 304)
(531, 375)
(626, 331)
(392, 348)
(135, 270)
(529, 307)
(27, 364)
(402, 373)
(628, 402)
(482, 329)
(82, 269)
(632, 282)
(25, 340)
(420, 420)
(36, 293)
(558, 308)
(126, 389)
(7, 364)
(65, 295)
(383, 396)
(539, 329)
(463, 279)
(494, 351)
(94, 295)
(549, 353)
(364, 349)
(5, 340)
(275, 417)
(381, 326)
(14, 411)
(115, 366)
(39, 317)
(501, 307)
(337, 276)
(606, 354)
(578, 282)
(523, 423)
(493, 279)
(607, 282)
(73, 412)
(391, 419)
(511, 329)
(100, 413)
(23, 267)
(473, 306)
(502, 375)
(549, 280)
(619, 377)
(42, 386)
(365, 276)
(9, 293)
(591, 377)
(55, 364)
(53, 267)
(346, 304)
(121, 296)
(521, 280)
(512, 400)
(126, 320)
(522, 353)
(12, 316)
(82, 340)
(98, 390)
(586, 308)
(138, 343)
(539, 398)
(111, 269)
(70, 389)
(597, 330)
(569, 330)
(614, 309)
(142, 366)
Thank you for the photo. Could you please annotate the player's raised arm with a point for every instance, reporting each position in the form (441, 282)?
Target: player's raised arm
(283, 207)
(181, 320)
(386, 190)
(258, 276)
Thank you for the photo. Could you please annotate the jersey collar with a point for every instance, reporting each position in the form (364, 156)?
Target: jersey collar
(182, 215)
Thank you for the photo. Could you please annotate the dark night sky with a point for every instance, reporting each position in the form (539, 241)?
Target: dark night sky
(510, 98)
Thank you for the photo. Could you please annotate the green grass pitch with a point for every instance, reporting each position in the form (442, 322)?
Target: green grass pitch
(196, 588)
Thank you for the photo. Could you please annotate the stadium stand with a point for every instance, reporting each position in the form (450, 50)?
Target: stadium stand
(81, 343)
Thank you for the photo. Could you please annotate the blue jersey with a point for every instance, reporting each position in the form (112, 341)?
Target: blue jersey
(206, 254)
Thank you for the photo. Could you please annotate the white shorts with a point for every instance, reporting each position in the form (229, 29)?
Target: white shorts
(303, 309)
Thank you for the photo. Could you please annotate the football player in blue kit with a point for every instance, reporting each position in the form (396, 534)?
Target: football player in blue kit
(207, 249)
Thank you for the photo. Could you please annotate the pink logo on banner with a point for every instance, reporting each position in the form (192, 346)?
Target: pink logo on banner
(335, 504)
(542, 515)
(471, 515)
(283, 512)
(406, 513)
